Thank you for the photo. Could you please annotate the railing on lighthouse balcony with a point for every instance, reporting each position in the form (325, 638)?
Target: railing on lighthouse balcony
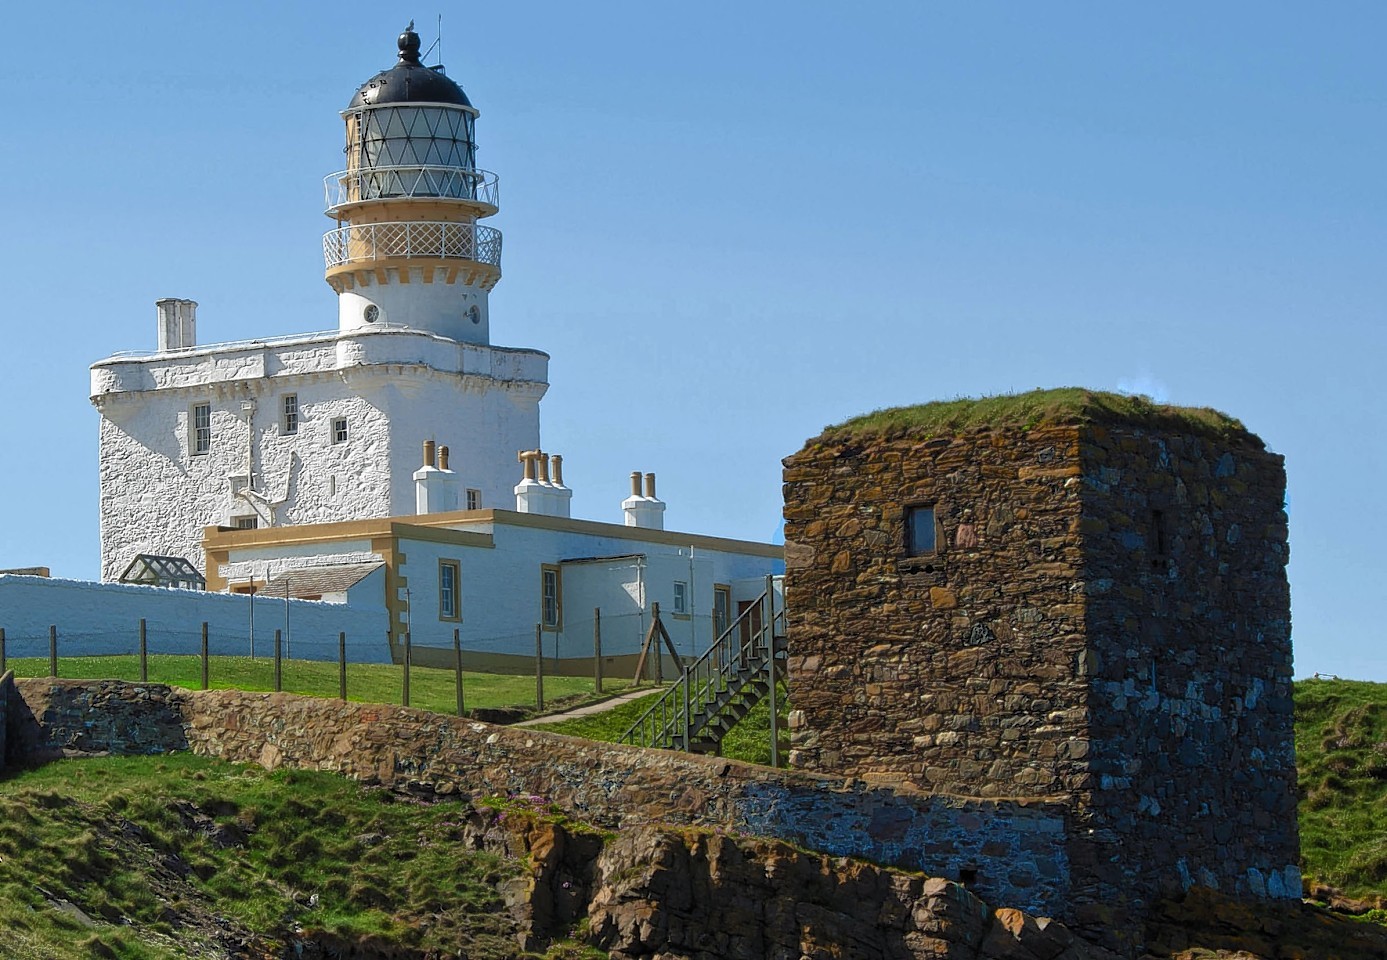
(366, 242)
(364, 184)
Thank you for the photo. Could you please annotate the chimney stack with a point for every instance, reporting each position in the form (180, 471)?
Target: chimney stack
(177, 324)
(560, 497)
(643, 511)
(435, 488)
(530, 495)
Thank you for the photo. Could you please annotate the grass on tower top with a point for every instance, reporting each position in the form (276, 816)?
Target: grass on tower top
(1061, 405)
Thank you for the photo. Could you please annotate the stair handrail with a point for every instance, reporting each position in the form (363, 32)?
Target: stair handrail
(669, 727)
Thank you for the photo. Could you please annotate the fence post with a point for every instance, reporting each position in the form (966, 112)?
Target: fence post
(539, 667)
(144, 653)
(342, 666)
(659, 651)
(2, 651)
(204, 654)
(408, 656)
(52, 650)
(769, 627)
(457, 665)
(597, 649)
(279, 652)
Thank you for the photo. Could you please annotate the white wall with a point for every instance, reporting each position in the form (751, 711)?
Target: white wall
(103, 618)
(394, 388)
(501, 590)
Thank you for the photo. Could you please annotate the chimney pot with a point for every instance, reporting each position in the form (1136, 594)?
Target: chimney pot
(543, 467)
(443, 458)
(428, 453)
(635, 483)
(558, 470)
(650, 485)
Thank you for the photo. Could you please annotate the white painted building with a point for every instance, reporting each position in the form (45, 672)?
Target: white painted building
(327, 426)
(293, 462)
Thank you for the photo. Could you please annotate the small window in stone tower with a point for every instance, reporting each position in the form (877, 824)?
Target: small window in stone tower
(919, 531)
(339, 430)
(474, 499)
(1160, 549)
(202, 429)
(289, 414)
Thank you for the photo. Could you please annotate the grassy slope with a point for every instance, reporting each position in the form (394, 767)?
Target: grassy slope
(1341, 748)
(430, 689)
(749, 740)
(155, 848)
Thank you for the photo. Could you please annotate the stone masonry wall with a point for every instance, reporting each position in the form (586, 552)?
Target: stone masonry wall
(960, 672)
(1188, 627)
(1104, 623)
(1017, 848)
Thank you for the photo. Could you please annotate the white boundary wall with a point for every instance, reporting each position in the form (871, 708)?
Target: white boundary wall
(103, 619)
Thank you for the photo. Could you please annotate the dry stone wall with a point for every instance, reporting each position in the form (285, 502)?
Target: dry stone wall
(1187, 621)
(1103, 623)
(956, 671)
(606, 784)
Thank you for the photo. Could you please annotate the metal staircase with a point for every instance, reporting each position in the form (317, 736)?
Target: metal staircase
(719, 688)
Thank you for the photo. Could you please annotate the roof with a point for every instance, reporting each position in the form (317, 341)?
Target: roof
(320, 580)
(409, 81)
(154, 570)
(1060, 406)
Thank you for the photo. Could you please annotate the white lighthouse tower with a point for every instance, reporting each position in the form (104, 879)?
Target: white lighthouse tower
(320, 427)
(408, 248)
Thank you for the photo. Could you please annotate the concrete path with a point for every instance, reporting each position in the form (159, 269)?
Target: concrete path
(591, 708)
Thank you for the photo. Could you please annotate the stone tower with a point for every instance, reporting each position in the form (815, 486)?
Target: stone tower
(1061, 596)
(322, 427)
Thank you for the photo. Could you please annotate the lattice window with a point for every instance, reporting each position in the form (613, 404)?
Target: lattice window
(202, 429)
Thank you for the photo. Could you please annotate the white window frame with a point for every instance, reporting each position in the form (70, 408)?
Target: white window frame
(199, 433)
(289, 414)
(339, 430)
(550, 597)
(681, 598)
(474, 499)
(449, 593)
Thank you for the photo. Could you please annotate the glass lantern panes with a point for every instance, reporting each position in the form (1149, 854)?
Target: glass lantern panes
(413, 151)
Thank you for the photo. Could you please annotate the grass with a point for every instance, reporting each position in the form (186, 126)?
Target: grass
(1341, 750)
(430, 689)
(749, 740)
(1063, 405)
(155, 850)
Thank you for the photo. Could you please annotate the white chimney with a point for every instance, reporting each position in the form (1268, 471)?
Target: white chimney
(644, 511)
(177, 324)
(435, 487)
(530, 494)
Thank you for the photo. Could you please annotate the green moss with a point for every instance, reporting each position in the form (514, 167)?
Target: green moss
(1025, 411)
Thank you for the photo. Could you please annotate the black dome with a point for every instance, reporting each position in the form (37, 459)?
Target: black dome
(409, 81)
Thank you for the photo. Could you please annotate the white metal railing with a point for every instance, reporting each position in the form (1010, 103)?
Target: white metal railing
(316, 336)
(401, 182)
(364, 242)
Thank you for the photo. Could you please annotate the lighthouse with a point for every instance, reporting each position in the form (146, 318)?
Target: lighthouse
(323, 427)
(409, 248)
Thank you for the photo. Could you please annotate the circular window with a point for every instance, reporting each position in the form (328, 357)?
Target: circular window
(474, 314)
(371, 314)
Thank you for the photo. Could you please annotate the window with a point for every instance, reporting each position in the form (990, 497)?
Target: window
(289, 414)
(919, 531)
(722, 608)
(202, 429)
(681, 597)
(551, 598)
(244, 523)
(339, 430)
(474, 499)
(449, 599)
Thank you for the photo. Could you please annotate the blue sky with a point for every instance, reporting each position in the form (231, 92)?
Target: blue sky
(732, 224)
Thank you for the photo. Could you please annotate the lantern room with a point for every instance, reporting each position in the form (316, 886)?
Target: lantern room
(407, 249)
